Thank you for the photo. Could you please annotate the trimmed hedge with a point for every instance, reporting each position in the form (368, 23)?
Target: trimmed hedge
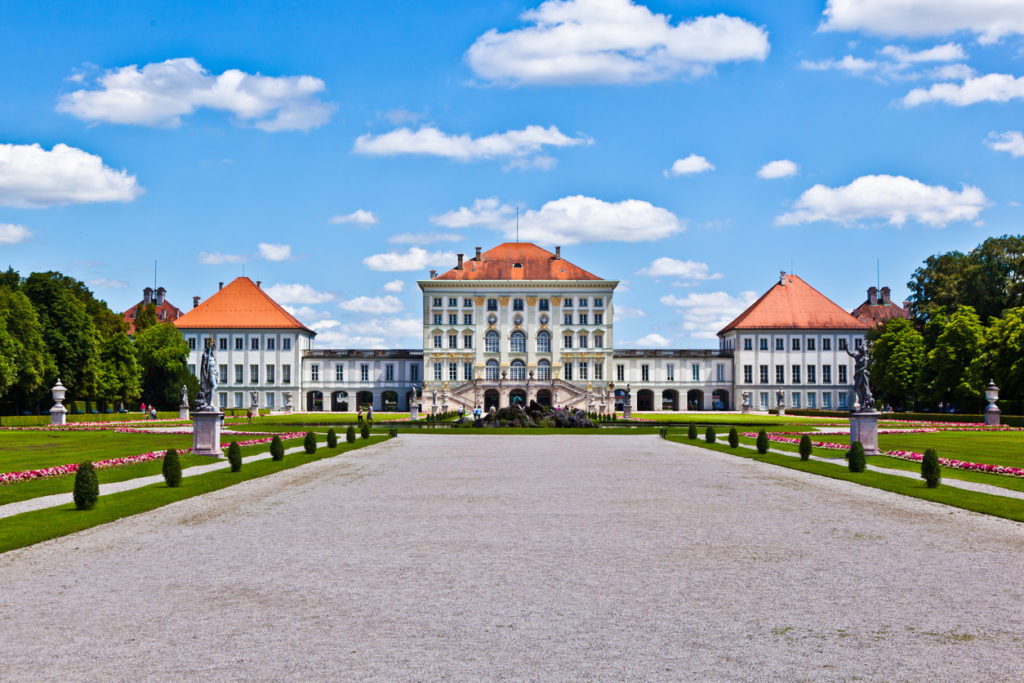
(276, 449)
(172, 469)
(87, 486)
(931, 470)
(309, 443)
(350, 434)
(332, 438)
(805, 447)
(856, 457)
(709, 434)
(734, 438)
(364, 431)
(235, 456)
(691, 433)
(762, 442)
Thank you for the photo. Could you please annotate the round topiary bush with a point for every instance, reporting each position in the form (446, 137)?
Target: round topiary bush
(235, 456)
(734, 438)
(805, 447)
(856, 457)
(364, 431)
(350, 435)
(709, 434)
(276, 449)
(172, 469)
(931, 470)
(762, 442)
(87, 486)
(692, 432)
(309, 443)
(332, 438)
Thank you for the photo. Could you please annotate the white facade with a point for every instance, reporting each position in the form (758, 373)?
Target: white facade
(344, 380)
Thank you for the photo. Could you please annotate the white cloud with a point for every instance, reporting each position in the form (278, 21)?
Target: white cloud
(622, 312)
(1011, 141)
(297, 294)
(570, 220)
(375, 333)
(359, 217)
(521, 146)
(395, 286)
(611, 41)
(666, 266)
(161, 93)
(651, 341)
(849, 63)
(275, 252)
(780, 168)
(705, 314)
(13, 234)
(32, 177)
(215, 258)
(107, 283)
(414, 259)
(987, 88)
(949, 52)
(305, 313)
(885, 197)
(376, 304)
(424, 237)
(990, 20)
(950, 72)
(898, 63)
(689, 166)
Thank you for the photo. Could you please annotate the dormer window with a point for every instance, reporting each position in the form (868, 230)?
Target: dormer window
(517, 265)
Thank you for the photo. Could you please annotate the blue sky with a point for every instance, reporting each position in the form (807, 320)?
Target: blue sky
(339, 153)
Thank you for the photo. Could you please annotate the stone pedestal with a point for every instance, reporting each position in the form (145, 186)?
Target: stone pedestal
(992, 416)
(206, 426)
(627, 412)
(182, 412)
(864, 428)
(781, 410)
(414, 411)
(59, 415)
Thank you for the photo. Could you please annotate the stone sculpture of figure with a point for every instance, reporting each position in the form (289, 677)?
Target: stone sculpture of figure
(746, 399)
(862, 378)
(780, 397)
(433, 397)
(184, 395)
(627, 398)
(207, 378)
(253, 398)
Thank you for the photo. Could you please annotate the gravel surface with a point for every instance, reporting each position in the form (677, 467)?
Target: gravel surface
(533, 557)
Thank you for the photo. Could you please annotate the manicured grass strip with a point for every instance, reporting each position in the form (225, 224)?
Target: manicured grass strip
(997, 506)
(36, 450)
(42, 525)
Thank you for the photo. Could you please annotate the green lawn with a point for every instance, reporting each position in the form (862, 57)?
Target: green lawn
(35, 450)
(994, 448)
(41, 525)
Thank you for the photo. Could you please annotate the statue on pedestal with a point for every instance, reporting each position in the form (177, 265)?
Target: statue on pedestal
(864, 402)
(184, 396)
(208, 377)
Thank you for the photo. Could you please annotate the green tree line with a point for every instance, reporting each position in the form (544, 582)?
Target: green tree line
(966, 328)
(52, 326)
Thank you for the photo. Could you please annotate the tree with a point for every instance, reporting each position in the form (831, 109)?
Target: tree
(33, 366)
(145, 317)
(87, 487)
(121, 375)
(897, 357)
(950, 359)
(1002, 354)
(931, 469)
(162, 353)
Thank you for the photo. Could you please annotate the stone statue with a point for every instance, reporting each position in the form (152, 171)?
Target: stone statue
(208, 377)
(254, 398)
(862, 379)
(433, 397)
(627, 399)
(746, 399)
(184, 395)
(780, 397)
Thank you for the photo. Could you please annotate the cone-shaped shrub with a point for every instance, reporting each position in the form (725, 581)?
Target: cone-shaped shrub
(709, 434)
(172, 469)
(692, 432)
(856, 456)
(276, 449)
(931, 470)
(762, 442)
(235, 456)
(310, 443)
(350, 435)
(332, 438)
(734, 438)
(805, 447)
(364, 431)
(87, 486)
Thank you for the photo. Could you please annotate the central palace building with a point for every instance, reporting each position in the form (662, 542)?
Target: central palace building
(518, 323)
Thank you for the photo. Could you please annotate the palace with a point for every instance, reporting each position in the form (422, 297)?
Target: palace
(518, 323)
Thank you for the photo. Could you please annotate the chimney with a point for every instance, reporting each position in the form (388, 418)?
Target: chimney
(459, 267)
(220, 286)
(906, 305)
(782, 278)
(477, 254)
(258, 283)
(160, 291)
(433, 274)
(558, 253)
(884, 299)
(147, 296)
(872, 296)
(195, 301)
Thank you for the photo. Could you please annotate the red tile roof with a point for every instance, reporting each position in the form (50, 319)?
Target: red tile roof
(517, 261)
(240, 304)
(876, 314)
(165, 312)
(795, 305)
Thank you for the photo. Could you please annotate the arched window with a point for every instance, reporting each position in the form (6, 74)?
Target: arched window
(491, 369)
(518, 341)
(543, 370)
(543, 342)
(491, 341)
(518, 368)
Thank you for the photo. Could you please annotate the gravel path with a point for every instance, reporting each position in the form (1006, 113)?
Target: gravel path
(533, 557)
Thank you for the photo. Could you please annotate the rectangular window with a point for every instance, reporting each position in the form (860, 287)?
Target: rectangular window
(764, 374)
(438, 339)
(270, 345)
(812, 374)
(763, 345)
(517, 304)
(620, 373)
(467, 341)
(222, 345)
(780, 374)
(437, 372)
(453, 341)
(467, 318)
(670, 372)
(467, 303)
(826, 401)
(223, 399)
(583, 303)
(254, 374)
(796, 399)
(192, 345)
(583, 318)
(583, 370)
(453, 318)
(796, 374)
(314, 372)
(364, 372)
(810, 347)
(239, 344)
(812, 400)
(453, 301)
(842, 374)
(492, 304)
(568, 302)
(748, 344)
(467, 371)
(254, 344)
(238, 399)
(567, 319)
(598, 302)
(437, 301)
(286, 344)
(598, 341)
(780, 344)
(796, 343)
(583, 341)
(568, 371)
(270, 400)
(599, 318)
(437, 318)
(414, 373)
(720, 372)
(598, 370)
(567, 341)
(748, 374)
(238, 374)
(826, 374)
(842, 399)
(826, 344)
(842, 345)
(544, 305)
(286, 374)
(453, 372)
(695, 371)
(222, 373)
(339, 372)
(763, 400)
(389, 372)
(645, 373)
(270, 374)
(192, 369)
(858, 343)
